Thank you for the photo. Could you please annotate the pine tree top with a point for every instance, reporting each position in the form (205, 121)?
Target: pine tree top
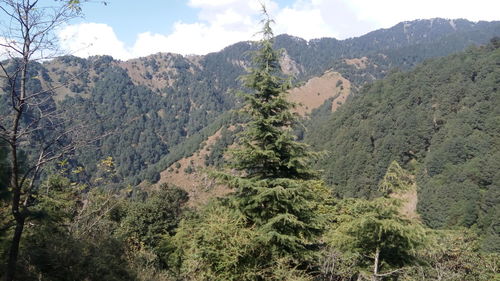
(267, 148)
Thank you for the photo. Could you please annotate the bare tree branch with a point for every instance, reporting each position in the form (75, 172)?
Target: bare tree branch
(390, 272)
(29, 37)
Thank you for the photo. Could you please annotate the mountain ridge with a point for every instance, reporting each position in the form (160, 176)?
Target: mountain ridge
(169, 98)
(428, 21)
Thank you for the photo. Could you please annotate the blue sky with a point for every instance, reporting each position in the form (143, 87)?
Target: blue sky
(131, 17)
(131, 28)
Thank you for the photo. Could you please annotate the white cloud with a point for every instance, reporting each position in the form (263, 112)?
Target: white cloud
(389, 12)
(224, 22)
(196, 38)
(221, 23)
(304, 20)
(88, 39)
(211, 3)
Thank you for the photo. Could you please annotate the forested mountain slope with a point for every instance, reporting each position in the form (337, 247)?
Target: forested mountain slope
(441, 121)
(156, 109)
(143, 122)
(362, 60)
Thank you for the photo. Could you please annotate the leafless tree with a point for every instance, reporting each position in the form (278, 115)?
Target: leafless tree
(30, 119)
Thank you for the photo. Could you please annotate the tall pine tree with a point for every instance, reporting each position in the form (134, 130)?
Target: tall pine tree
(274, 184)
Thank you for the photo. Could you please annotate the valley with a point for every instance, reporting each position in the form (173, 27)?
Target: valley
(369, 158)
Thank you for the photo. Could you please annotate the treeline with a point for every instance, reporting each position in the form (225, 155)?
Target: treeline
(402, 46)
(221, 70)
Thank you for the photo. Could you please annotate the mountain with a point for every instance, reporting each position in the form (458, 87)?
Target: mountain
(152, 111)
(358, 61)
(440, 121)
(401, 46)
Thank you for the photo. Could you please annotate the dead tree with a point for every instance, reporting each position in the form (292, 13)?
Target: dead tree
(27, 36)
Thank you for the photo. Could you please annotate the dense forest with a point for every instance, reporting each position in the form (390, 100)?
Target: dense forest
(440, 121)
(400, 182)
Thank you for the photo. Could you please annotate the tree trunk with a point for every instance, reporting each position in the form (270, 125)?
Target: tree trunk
(16, 184)
(375, 265)
(14, 250)
(30, 26)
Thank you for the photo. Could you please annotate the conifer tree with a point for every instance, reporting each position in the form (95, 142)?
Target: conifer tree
(383, 241)
(396, 179)
(375, 234)
(274, 181)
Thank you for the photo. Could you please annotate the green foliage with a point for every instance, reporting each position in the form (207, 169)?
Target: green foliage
(371, 240)
(54, 250)
(141, 126)
(218, 244)
(273, 189)
(267, 148)
(98, 235)
(455, 255)
(267, 229)
(217, 150)
(396, 179)
(147, 222)
(57, 200)
(371, 231)
(442, 119)
(50, 254)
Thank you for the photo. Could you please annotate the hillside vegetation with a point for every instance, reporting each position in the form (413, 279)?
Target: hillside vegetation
(152, 107)
(78, 198)
(441, 121)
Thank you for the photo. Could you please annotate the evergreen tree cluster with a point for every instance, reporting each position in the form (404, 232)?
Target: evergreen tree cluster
(439, 120)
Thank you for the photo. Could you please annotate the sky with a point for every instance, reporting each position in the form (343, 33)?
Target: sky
(128, 29)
